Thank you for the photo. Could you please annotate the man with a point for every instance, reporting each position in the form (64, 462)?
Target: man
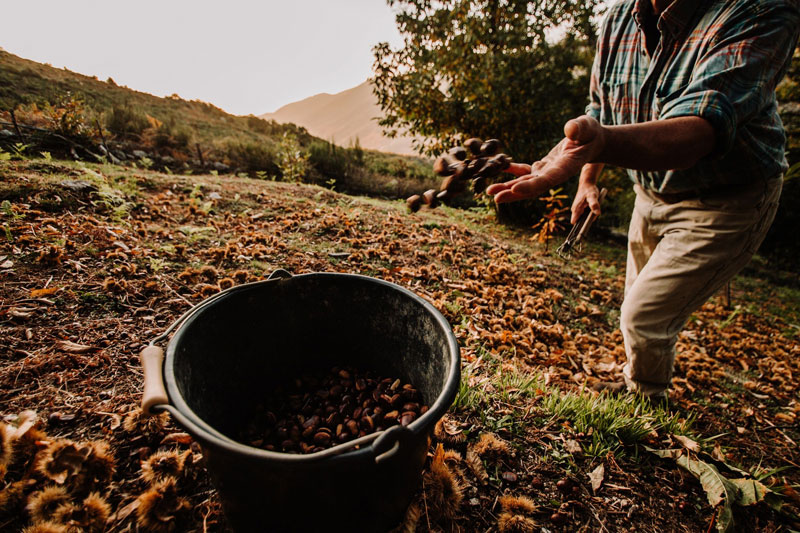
(682, 95)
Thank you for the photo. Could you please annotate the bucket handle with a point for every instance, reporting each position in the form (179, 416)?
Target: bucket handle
(154, 394)
(389, 442)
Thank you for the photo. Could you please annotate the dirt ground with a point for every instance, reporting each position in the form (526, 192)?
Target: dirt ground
(97, 260)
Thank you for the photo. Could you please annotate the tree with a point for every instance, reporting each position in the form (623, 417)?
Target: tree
(781, 244)
(510, 69)
(293, 160)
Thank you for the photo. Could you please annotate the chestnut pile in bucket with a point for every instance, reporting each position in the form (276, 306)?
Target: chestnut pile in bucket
(317, 411)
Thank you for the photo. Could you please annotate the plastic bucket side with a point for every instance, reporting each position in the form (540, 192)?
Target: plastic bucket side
(248, 341)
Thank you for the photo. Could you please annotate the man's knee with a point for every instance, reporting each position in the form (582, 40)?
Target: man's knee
(628, 317)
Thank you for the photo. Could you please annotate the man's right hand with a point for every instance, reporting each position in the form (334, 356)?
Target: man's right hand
(588, 195)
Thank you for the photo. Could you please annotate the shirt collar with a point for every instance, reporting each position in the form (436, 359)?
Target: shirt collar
(673, 19)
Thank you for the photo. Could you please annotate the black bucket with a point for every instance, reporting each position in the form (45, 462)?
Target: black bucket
(233, 347)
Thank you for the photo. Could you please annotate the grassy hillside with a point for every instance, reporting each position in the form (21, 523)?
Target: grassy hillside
(88, 277)
(343, 117)
(178, 134)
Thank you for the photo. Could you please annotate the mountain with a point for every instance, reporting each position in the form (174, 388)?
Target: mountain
(343, 117)
(71, 115)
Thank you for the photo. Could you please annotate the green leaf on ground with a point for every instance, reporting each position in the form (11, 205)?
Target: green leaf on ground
(740, 490)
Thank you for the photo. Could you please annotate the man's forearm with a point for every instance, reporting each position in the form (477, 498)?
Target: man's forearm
(590, 172)
(670, 144)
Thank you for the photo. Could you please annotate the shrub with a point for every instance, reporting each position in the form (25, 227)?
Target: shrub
(329, 160)
(252, 156)
(126, 121)
(292, 159)
(168, 135)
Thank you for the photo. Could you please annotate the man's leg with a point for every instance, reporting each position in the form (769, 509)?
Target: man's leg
(642, 238)
(701, 244)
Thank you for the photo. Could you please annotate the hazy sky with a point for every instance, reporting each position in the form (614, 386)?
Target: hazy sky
(243, 56)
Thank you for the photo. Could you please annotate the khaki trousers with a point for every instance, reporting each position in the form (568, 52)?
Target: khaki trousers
(679, 254)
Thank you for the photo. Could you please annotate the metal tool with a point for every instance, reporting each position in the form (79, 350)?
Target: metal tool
(579, 230)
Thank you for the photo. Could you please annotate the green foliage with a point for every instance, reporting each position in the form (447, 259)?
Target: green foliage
(171, 135)
(18, 151)
(357, 152)
(469, 397)
(724, 485)
(253, 156)
(780, 244)
(331, 161)
(126, 121)
(789, 89)
(259, 125)
(618, 205)
(398, 166)
(180, 129)
(486, 68)
(70, 117)
(292, 159)
(8, 210)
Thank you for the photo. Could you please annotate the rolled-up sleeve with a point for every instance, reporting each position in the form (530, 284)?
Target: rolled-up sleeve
(593, 109)
(737, 76)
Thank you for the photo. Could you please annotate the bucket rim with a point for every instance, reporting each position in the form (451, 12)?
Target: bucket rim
(201, 430)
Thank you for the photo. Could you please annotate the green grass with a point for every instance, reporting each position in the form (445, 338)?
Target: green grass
(501, 399)
(613, 420)
(516, 386)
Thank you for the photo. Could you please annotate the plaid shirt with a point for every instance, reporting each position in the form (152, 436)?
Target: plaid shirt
(716, 59)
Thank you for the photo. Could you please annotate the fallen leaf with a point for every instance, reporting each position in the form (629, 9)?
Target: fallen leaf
(596, 477)
(73, 347)
(717, 453)
(123, 512)
(25, 421)
(38, 293)
(451, 426)
(721, 490)
(177, 438)
(8, 263)
(572, 446)
(687, 443)
(20, 312)
(116, 421)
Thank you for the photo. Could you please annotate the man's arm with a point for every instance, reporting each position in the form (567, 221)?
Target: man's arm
(671, 144)
(655, 145)
(587, 195)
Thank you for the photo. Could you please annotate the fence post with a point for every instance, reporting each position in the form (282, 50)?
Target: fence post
(200, 155)
(102, 137)
(16, 127)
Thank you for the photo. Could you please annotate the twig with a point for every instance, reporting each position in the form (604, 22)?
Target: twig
(425, 501)
(713, 519)
(785, 436)
(602, 526)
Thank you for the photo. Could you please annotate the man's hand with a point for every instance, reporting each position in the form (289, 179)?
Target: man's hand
(584, 140)
(587, 194)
